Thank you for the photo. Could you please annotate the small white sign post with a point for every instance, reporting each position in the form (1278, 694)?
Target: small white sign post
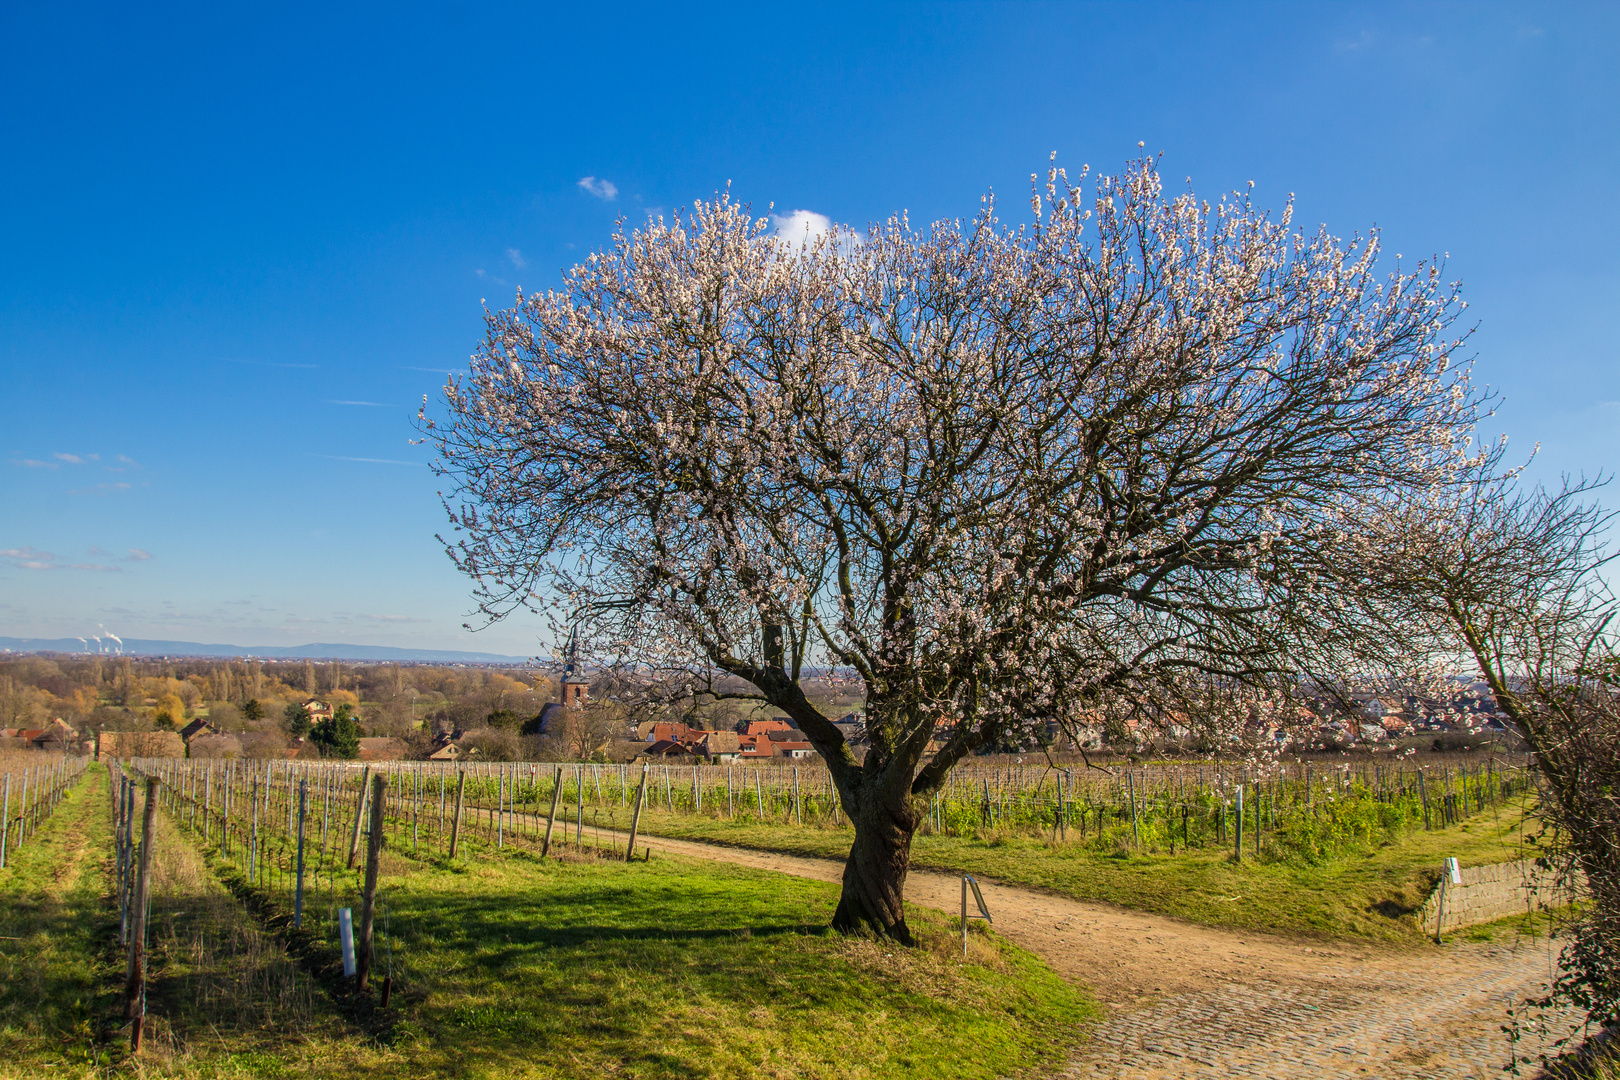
(346, 940)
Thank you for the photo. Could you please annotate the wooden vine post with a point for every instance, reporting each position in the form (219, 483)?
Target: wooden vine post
(298, 895)
(551, 818)
(635, 815)
(455, 822)
(368, 899)
(135, 974)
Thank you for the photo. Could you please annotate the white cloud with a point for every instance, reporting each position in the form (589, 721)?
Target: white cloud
(606, 190)
(801, 228)
(27, 558)
(71, 459)
(137, 555)
(517, 258)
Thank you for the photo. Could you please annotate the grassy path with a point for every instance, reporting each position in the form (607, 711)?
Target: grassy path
(58, 972)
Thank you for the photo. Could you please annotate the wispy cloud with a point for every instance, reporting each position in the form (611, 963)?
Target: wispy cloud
(137, 555)
(60, 458)
(606, 190)
(517, 258)
(368, 460)
(394, 618)
(102, 489)
(29, 558)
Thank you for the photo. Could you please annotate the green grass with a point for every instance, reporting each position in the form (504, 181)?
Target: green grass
(55, 969)
(682, 968)
(506, 966)
(1366, 895)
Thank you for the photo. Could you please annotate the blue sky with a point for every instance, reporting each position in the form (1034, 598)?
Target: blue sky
(238, 245)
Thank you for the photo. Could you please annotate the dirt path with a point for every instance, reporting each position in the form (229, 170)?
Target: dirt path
(1193, 1001)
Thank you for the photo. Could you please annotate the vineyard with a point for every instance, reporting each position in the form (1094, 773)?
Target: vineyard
(29, 793)
(317, 919)
(300, 830)
(385, 898)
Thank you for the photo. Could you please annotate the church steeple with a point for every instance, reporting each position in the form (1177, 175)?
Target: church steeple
(575, 686)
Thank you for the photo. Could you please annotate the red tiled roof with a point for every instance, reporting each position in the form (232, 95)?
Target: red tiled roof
(666, 746)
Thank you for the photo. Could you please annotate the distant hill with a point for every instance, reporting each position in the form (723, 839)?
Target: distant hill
(316, 651)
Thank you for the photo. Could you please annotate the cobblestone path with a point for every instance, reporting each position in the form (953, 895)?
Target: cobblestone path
(1194, 1001)
(1436, 1016)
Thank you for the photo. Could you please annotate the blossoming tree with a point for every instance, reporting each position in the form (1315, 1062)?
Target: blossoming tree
(1000, 474)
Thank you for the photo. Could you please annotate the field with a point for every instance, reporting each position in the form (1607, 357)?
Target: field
(1327, 851)
(502, 964)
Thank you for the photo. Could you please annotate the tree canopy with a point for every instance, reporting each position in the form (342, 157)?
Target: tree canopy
(999, 473)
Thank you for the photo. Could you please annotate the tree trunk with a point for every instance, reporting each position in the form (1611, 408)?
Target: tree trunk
(875, 872)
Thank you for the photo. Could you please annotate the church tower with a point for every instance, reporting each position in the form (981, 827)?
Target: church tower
(575, 686)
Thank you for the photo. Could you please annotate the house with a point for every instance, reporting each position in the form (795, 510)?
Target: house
(766, 727)
(658, 730)
(752, 747)
(318, 710)
(720, 746)
(450, 751)
(195, 728)
(793, 748)
(666, 748)
(545, 722)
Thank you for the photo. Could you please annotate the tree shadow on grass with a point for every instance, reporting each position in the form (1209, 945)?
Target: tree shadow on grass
(508, 975)
(58, 968)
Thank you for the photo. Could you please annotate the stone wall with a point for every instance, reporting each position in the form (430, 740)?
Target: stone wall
(1492, 892)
